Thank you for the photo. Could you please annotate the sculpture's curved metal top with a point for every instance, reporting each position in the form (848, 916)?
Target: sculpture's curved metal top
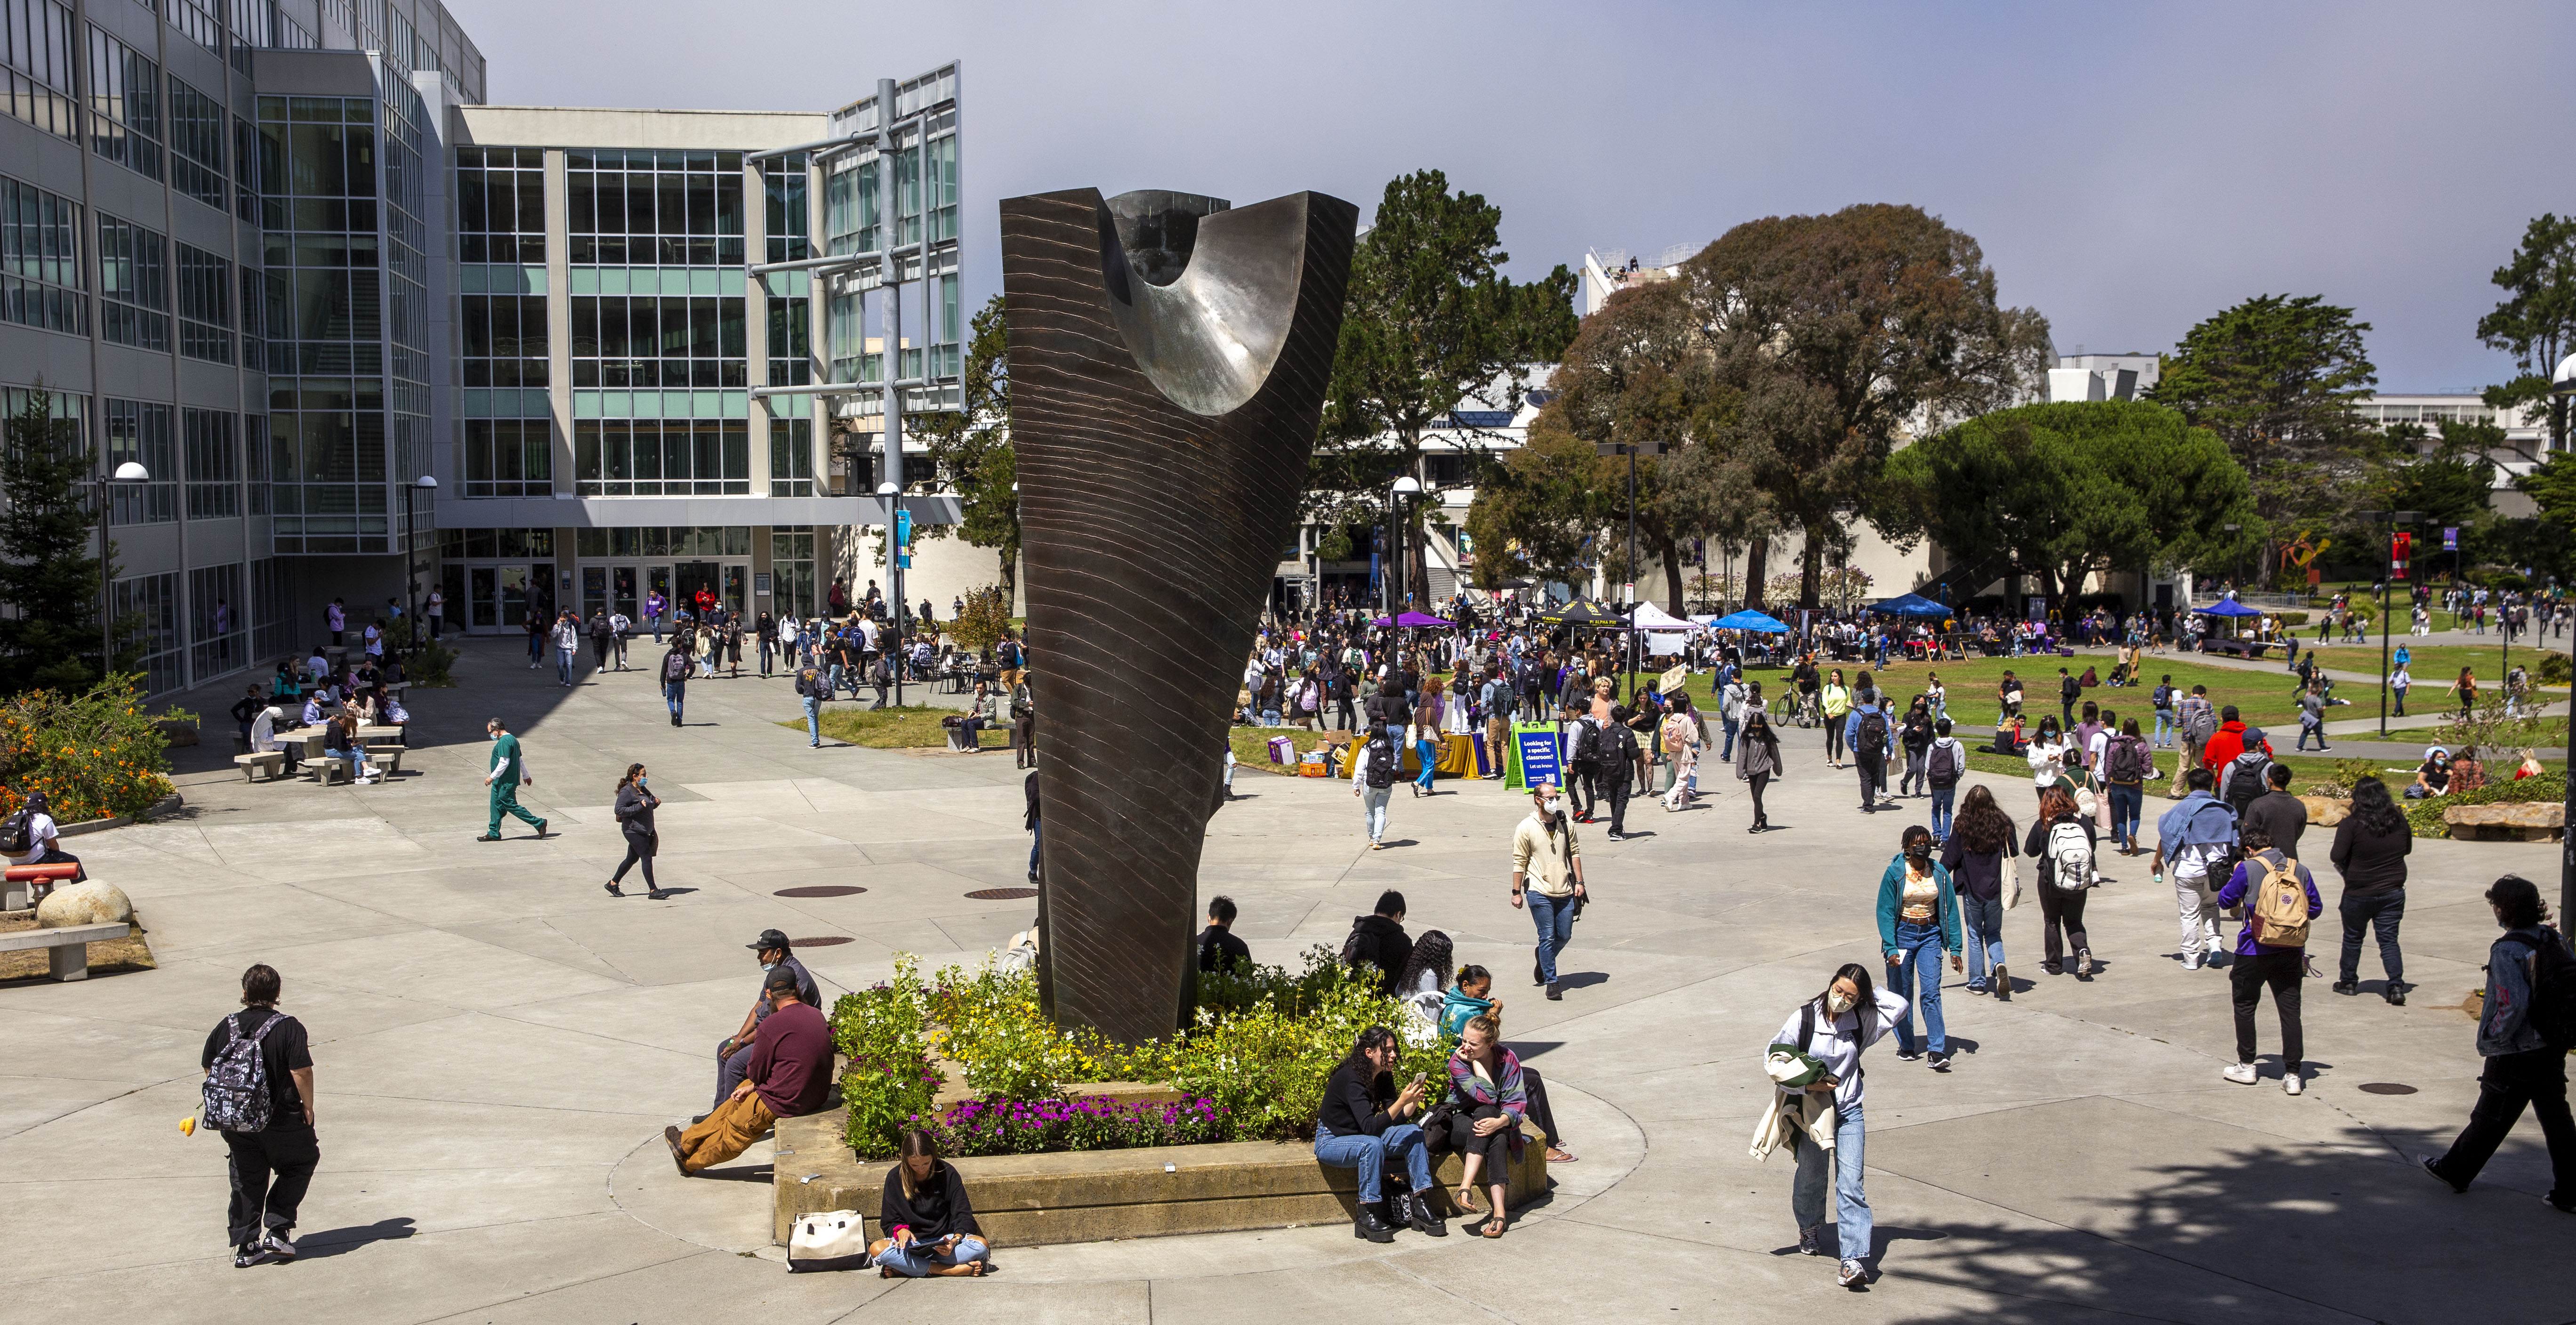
(1209, 337)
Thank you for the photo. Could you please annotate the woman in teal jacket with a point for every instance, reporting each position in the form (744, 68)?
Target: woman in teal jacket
(1918, 920)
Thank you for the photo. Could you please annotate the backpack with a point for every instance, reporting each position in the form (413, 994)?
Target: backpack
(2553, 987)
(2204, 724)
(2070, 852)
(809, 684)
(236, 1090)
(2164, 696)
(1381, 761)
(1873, 734)
(2128, 760)
(675, 668)
(1677, 734)
(2278, 909)
(1587, 743)
(18, 833)
(2247, 778)
(1944, 764)
(1011, 654)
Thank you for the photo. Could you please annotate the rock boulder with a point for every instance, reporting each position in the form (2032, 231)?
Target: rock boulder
(2326, 811)
(2528, 821)
(96, 902)
(179, 733)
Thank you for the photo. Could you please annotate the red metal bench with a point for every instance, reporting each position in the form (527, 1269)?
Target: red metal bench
(20, 880)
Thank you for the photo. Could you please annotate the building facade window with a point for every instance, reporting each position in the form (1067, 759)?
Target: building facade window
(254, 319)
(134, 284)
(791, 565)
(214, 463)
(124, 105)
(508, 458)
(205, 305)
(327, 464)
(853, 358)
(791, 458)
(195, 20)
(37, 56)
(662, 457)
(151, 604)
(142, 431)
(272, 606)
(256, 457)
(668, 209)
(42, 281)
(196, 145)
(503, 339)
(219, 628)
(501, 205)
(495, 544)
(660, 541)
(245, 170)
(788, 215)
(791, 344)
(317, 187)
(939, 181)
(852, 217)
(648, 341)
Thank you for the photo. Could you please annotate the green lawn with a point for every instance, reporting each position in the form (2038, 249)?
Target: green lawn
(2305, 770)
(2263, 697)
(914, 726)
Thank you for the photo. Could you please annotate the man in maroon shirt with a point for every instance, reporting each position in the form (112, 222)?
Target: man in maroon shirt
(790, 1074)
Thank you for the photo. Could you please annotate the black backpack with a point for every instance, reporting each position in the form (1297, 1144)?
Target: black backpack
(235, 1096)
(1944, 765)
(1381, 761)
(18, 833)
(2553, 987)
(1873, 734)
(2128, 759)
(2245, 781)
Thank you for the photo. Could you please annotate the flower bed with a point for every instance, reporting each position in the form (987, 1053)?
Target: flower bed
(1252, 1066)
(94, 754)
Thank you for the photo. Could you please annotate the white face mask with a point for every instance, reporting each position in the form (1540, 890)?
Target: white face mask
(1554, 806)
(1839, 1001)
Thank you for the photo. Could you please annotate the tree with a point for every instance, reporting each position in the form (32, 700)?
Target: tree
(970, 447)
(1428, 320)
(1537, 508)
(2536, 323)
(2275, 377)
(1836, 335)
(2448, 480)
(49, 577)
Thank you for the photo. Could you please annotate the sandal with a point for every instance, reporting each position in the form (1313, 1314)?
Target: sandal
(1493, 1228)
(1561, 1155)
(1469, 1202)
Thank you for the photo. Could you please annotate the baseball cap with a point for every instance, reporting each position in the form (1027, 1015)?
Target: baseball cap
(2253, 737)
(769, 938)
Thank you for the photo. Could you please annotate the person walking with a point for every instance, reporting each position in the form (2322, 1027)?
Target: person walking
(2195, 840)
(1918, 921)
(1945, 761)
(1730, 713)
(2279, 899)
(509, 770)
(1828, 1033)
(2063, 842)
(2525, 1067)
(1681, 736)
(1757, 762)
(635, 806)
(602, 639)
(811, 691)
(2163, 699)
(2399, 682)
(675, 676)
(2370, 850)
(336, 617)
(259, 1094)
(1547, 865)
(1867, 733)
(1837, 703)
(436, 610)
(1373, 778)
(1975, 854)
(565, 634)
(2126, 763)
(1914, 738)
(536, 626)
(1619, 766)
(2196, 719)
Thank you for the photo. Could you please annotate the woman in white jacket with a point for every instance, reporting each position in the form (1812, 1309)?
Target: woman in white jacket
(1834, 1027)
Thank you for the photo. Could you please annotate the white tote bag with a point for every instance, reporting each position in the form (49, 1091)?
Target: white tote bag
(829, 1240)
(2012, 881)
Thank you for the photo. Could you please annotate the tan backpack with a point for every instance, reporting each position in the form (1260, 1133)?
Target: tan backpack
(2279, 906)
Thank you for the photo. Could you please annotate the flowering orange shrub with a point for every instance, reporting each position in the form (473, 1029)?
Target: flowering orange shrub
(92, 753)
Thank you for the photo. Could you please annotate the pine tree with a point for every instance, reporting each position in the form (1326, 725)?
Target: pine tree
(49, 577)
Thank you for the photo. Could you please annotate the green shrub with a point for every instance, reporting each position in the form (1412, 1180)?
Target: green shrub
(427, 667)
(890, 1082)
(2555, 669)
(94, 753)
(2294, 618)
(2425, 816)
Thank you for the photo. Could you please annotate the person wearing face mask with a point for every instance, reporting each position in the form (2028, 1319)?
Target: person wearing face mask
(1548, 867)
(1918, 921)
(733, 1054)
(1820, 1047)
(509, 769)
(635, 806)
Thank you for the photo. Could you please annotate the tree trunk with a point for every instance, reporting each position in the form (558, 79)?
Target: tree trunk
(1672, 554)
(1755, 559)
(1811, 563)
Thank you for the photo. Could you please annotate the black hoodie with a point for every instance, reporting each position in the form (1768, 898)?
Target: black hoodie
(1382, 943)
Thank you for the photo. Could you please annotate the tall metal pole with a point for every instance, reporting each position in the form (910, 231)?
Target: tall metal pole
(1632, 574)
(106, 596)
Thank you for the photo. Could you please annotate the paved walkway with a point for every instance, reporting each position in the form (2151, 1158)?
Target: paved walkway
(498, 1044)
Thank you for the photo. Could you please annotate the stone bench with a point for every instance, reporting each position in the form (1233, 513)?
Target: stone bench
(384, 759)
(67, 948)
(1092, 1195)
(2528, 821)
(272, 760)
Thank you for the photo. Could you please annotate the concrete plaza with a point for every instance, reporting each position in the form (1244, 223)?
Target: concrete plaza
(498, 1045)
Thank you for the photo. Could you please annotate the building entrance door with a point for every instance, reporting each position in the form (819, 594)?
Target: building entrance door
(694, 577)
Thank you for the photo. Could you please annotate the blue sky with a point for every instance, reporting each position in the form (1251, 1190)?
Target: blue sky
(2129, 170)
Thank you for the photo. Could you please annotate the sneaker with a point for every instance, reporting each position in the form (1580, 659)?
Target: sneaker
(1811, 1240)
(2427, 1162)
(1616, 837)
(2084, 964)
(1908, 1055)
(489, 837)
(2191, 960)
(2290, 1082)
(2347, 988)
(2240, 1073)
(1940, 1062)
(541, 828)
(2396, 994)
(1852, 1275)
(277, 1245)
(1555, 993)
(250, 1254)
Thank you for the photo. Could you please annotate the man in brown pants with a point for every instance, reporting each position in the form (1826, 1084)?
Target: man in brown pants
(790, 1075)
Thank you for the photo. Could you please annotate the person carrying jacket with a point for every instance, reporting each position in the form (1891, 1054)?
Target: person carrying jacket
(2196, 839)
(2282, 966)
(1918, 920)
(2522, 1067)
(1833, 1028)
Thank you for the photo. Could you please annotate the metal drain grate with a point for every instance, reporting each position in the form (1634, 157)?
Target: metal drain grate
(821, 890)
(1002, 894)
(2386, 1088)
(826, 941)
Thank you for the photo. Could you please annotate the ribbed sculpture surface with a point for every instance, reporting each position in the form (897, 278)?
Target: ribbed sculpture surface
(1168, 365)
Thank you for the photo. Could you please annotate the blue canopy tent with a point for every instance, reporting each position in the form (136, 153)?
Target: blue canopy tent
(1750, 620)
(2227, 607)
(1913, 604)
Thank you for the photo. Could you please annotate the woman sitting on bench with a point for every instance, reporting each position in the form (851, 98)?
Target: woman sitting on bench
(340, 741)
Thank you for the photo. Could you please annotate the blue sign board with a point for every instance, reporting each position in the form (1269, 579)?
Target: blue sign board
(2450, 538)
(1534, 748)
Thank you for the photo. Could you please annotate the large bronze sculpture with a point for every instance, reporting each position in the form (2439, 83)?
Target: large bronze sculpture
(1168, 364)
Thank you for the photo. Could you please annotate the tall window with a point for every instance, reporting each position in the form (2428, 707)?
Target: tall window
(245, 170)
(219, 620)
(791, 348)
(140, 431)
(501, 205)
(151, 603)
(36, 60)
(214, 464)
(195, 20)
(255, 461)
(196, 144)
(41, 280)
(670, 209)
(788, 217)
(952, 329)
(272, 607)
(124, 105)
(643, 341)
(205, 305)
(852, 359)
(791, 457)
(791, 564)
(940, 182)
(508, 458)
(134, 279)
(907, 195)
(662, 457)
(852, 219)
(504, 339)
(254, 330)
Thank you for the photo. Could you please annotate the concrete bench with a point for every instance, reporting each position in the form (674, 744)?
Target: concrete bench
(67, 948)
(386, 759)
(962, 740)
(272, 760)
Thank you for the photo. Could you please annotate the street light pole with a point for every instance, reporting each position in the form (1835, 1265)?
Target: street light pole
(1631, 450)
(2563, 383)
(2387, 573)
(1399, 541)
(890, 494)
(129, 472)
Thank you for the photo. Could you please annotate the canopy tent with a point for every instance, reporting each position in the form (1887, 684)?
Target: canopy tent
(1665, 634)
(1413, 619)
(1750, 620)
(1579, 612)
(1650, 617)
(1912, 604)
(2227, 607)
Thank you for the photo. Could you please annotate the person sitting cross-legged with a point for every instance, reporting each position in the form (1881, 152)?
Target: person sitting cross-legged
(930, 1226)
(1365, 1119)
(790, 1075)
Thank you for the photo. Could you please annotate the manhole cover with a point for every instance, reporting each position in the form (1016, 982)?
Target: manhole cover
(821, 890)
(2386, 1088)
(1002, 894)
(826, 941)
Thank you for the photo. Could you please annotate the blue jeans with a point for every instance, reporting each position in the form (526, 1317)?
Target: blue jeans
(2164, 728)
(1429, 754)
(657, 627)
(1807, 1192)
(1368, 1154)
(1726, 753)
(910, 1260)
(563, 666)
(1554, 917)
(813, 720)
(2125, 803)
(1373, 810)
(1036, 834)
(1942, 798)
(673, 693)
(1981, 926)
(1920, 947)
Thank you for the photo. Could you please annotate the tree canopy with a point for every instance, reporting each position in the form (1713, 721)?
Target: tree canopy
(2536, 321)
(50, 577)
(970, 448)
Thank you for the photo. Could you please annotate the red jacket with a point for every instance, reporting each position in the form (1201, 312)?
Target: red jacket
(2225, 744)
